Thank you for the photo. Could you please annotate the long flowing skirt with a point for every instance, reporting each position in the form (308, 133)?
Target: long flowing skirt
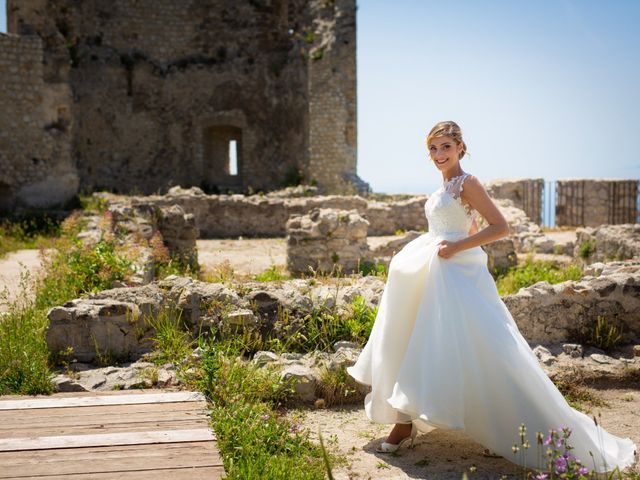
(444, 352)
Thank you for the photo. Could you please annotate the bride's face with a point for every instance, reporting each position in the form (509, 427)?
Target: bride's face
(445, 152)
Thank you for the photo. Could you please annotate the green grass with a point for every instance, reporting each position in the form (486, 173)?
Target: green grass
(24, 355)
(172, 341)
(533, 271)
(272, 274)
(69, 272)
(255, 440)
(27, 233)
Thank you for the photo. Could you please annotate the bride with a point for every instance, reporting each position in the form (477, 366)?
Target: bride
(444, 351)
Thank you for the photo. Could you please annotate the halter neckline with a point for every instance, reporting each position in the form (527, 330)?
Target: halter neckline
(444, 182)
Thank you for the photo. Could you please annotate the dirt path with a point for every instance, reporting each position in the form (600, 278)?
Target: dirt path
(441, 454)
(11, 267)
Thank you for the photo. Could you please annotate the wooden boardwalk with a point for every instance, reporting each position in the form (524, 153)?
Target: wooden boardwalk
(108, 435)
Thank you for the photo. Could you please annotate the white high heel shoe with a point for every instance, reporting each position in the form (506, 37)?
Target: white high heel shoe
(386, 447)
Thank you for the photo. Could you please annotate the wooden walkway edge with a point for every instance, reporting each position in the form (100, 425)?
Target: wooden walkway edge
(106, 435)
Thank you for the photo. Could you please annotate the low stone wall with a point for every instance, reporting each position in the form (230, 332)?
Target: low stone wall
(113, 320)
(326, 239)
(219, 216)
(566, 311)
(608, 242)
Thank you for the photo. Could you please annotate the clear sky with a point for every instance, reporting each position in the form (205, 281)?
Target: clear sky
(545, 88)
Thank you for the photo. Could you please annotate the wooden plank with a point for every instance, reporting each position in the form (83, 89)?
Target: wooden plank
(187, 473)
(87, 454)
(81, 401)
(144, 459)
(15, 422)
(76, 430)
(36, 413)
(105, 439)
(105, 393)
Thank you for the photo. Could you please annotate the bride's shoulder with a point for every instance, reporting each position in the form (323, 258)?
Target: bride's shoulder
(471, 186)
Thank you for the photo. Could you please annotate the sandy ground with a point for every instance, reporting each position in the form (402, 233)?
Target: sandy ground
(245, 255)
(12, 266)
(439, 454)
(250, 256)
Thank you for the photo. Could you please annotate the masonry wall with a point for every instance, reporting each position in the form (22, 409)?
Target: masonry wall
(35, 130)
(332, 98)
(525, 193)
(155, 82)
(592, 202)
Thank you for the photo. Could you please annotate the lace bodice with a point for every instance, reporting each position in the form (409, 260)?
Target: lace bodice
(446, 214)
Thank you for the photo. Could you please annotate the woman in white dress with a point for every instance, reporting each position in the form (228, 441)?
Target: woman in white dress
(444, 351)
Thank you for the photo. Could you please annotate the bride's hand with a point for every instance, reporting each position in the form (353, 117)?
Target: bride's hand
(446, 248)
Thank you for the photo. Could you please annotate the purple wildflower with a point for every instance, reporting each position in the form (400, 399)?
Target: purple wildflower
(561, 465)
(547, 440)
(542, 476)
(583, 470)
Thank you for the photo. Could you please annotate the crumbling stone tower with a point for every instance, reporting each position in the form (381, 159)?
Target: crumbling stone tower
(221, 94)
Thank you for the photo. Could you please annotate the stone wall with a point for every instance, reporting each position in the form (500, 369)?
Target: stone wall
(332, 98)
(325, 240)
(163, 90)
(114, 318)
(219, 216)
(608, 242)
(593, 202)
(36, 167)
(525, 193)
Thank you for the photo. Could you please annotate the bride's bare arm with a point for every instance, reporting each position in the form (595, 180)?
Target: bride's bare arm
(475, 195)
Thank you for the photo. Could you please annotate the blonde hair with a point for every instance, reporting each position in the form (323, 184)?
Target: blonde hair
(447, 129)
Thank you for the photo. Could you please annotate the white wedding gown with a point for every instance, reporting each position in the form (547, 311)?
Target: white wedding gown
(444, 352)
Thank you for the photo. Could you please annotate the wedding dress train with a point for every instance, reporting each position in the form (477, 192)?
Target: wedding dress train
(445, 352)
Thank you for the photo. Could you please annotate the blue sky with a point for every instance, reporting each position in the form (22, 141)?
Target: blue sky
(544, 88)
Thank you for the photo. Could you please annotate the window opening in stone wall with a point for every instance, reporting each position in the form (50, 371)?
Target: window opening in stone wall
(233, 157)
(222, 158)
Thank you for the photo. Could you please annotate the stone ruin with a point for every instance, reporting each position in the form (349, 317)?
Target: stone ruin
(325, 238)
(226, 95)
(117, 322)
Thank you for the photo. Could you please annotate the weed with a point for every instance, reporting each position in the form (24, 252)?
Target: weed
(533, 271)
(272, 274)
(587, 248)
(605, 335)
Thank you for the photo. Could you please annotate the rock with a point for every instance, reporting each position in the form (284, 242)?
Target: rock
(93, 327)
(262, 358)
(558, 313)
(292, 356)
(326, 239)
(62, 383)
(501, 255)
(305, 381)
(197, 353)
(243, 318)
(344, 357)
(608, 242)
(165, 378)
(344, 344)
(544, 355)
(636, 350)
(574, 350)
(602, 358)
(92, 380)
